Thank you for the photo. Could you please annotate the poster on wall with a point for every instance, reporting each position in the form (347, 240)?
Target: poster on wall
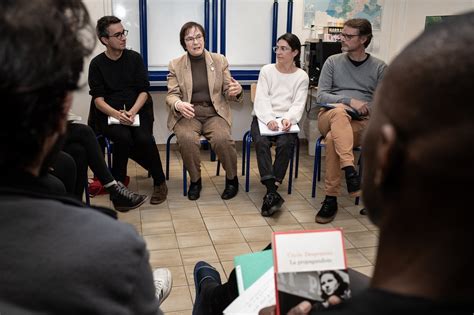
(334, 12)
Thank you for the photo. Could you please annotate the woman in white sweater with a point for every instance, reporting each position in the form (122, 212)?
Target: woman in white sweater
(279, 103)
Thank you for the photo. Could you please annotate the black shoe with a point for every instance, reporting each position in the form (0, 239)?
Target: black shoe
(124, 199)
(328, 211)
(353, 185)
(194, 191)
(364, 211)
(231, 188)
(271, 203)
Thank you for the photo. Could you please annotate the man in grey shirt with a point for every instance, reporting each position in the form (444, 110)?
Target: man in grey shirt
(347, 81)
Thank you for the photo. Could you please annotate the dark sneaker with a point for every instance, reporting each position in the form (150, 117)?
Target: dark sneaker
(364, 211)
(353, 185)
(159, 195)
(123, 199)
(327, 212)
(204, 273)
(194, 191)
(271, 203)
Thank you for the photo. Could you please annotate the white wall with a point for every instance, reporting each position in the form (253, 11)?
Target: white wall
(402, 21)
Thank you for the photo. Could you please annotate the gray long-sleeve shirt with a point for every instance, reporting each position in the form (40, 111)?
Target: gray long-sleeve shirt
(341, 80)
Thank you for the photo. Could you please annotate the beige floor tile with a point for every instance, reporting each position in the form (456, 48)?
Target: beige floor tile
(155, 215)
(185, 312)
(229, 251)
(185, 213)
(261, 233)
(178, 300)
(191, 255)
(370, 253)
(179, 276)
(356, 259)
(289, 227)
(249, 220)
(220, 222)
(165, 258)
(188, 225)
(161, 241)
(193, 239)
(281, 218)
(366, 270)
(362, 239)
(258, 246)
(304, 216)
(317, 226)
(160, 227)
(226, 236)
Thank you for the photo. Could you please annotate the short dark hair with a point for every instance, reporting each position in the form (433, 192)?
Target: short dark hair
(43, 45)
(341, 289)
(295, 44)
(364, 27)
(102, 25)
(184, 30)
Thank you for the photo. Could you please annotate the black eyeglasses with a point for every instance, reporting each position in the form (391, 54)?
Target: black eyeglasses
(348, 36)
(124, 33)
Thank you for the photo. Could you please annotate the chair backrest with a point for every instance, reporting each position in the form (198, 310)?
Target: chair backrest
(253, 90)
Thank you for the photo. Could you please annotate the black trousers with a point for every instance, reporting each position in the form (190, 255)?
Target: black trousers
(81, 143)
(62, 176)
(136, 143)
(285, 144)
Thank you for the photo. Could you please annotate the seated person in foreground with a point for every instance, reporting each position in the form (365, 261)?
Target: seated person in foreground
(282, 89)
(118, 84)
(81, 143)
(57, 256)
(347, 79)
(199, 90)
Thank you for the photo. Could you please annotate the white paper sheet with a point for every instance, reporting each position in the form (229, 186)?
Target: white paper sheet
(260, 295)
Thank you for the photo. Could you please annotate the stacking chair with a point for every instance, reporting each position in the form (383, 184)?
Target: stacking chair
(185, 177)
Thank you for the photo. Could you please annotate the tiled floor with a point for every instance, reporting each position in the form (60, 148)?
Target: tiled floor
(181, 232)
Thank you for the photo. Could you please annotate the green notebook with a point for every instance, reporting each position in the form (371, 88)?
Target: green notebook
(250, 267)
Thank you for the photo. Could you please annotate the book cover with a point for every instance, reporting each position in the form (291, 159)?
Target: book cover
(349, 110)
(265, 131)
(311, 266)
(250, 267)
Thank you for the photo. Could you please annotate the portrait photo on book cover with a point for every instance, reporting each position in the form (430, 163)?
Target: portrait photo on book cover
(313, 286)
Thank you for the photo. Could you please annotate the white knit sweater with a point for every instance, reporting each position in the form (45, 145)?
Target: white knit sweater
(280, 94)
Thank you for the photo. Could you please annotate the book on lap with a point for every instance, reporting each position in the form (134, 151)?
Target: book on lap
(265, 131)
(349, 110)
(114, 121)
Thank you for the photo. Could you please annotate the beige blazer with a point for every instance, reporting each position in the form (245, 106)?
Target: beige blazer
(180, 85)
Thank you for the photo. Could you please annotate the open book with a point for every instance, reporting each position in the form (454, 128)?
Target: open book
(264, 131)
(349, 110)
(114, 121)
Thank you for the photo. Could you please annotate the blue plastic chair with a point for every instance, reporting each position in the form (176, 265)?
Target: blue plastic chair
(185, 177)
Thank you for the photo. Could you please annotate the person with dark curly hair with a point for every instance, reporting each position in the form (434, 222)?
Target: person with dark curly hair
(57, 256)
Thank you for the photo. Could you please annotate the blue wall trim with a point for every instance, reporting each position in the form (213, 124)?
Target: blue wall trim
(274, 28)
(223, 25)
(214, 25)
(206, 23)
(143, 32)
(289, 16)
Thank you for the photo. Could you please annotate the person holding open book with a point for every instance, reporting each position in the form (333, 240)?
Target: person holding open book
(279, 104)
(347, 81)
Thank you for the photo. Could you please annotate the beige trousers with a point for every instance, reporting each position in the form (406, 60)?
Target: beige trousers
(217, 132)
(341, 135)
